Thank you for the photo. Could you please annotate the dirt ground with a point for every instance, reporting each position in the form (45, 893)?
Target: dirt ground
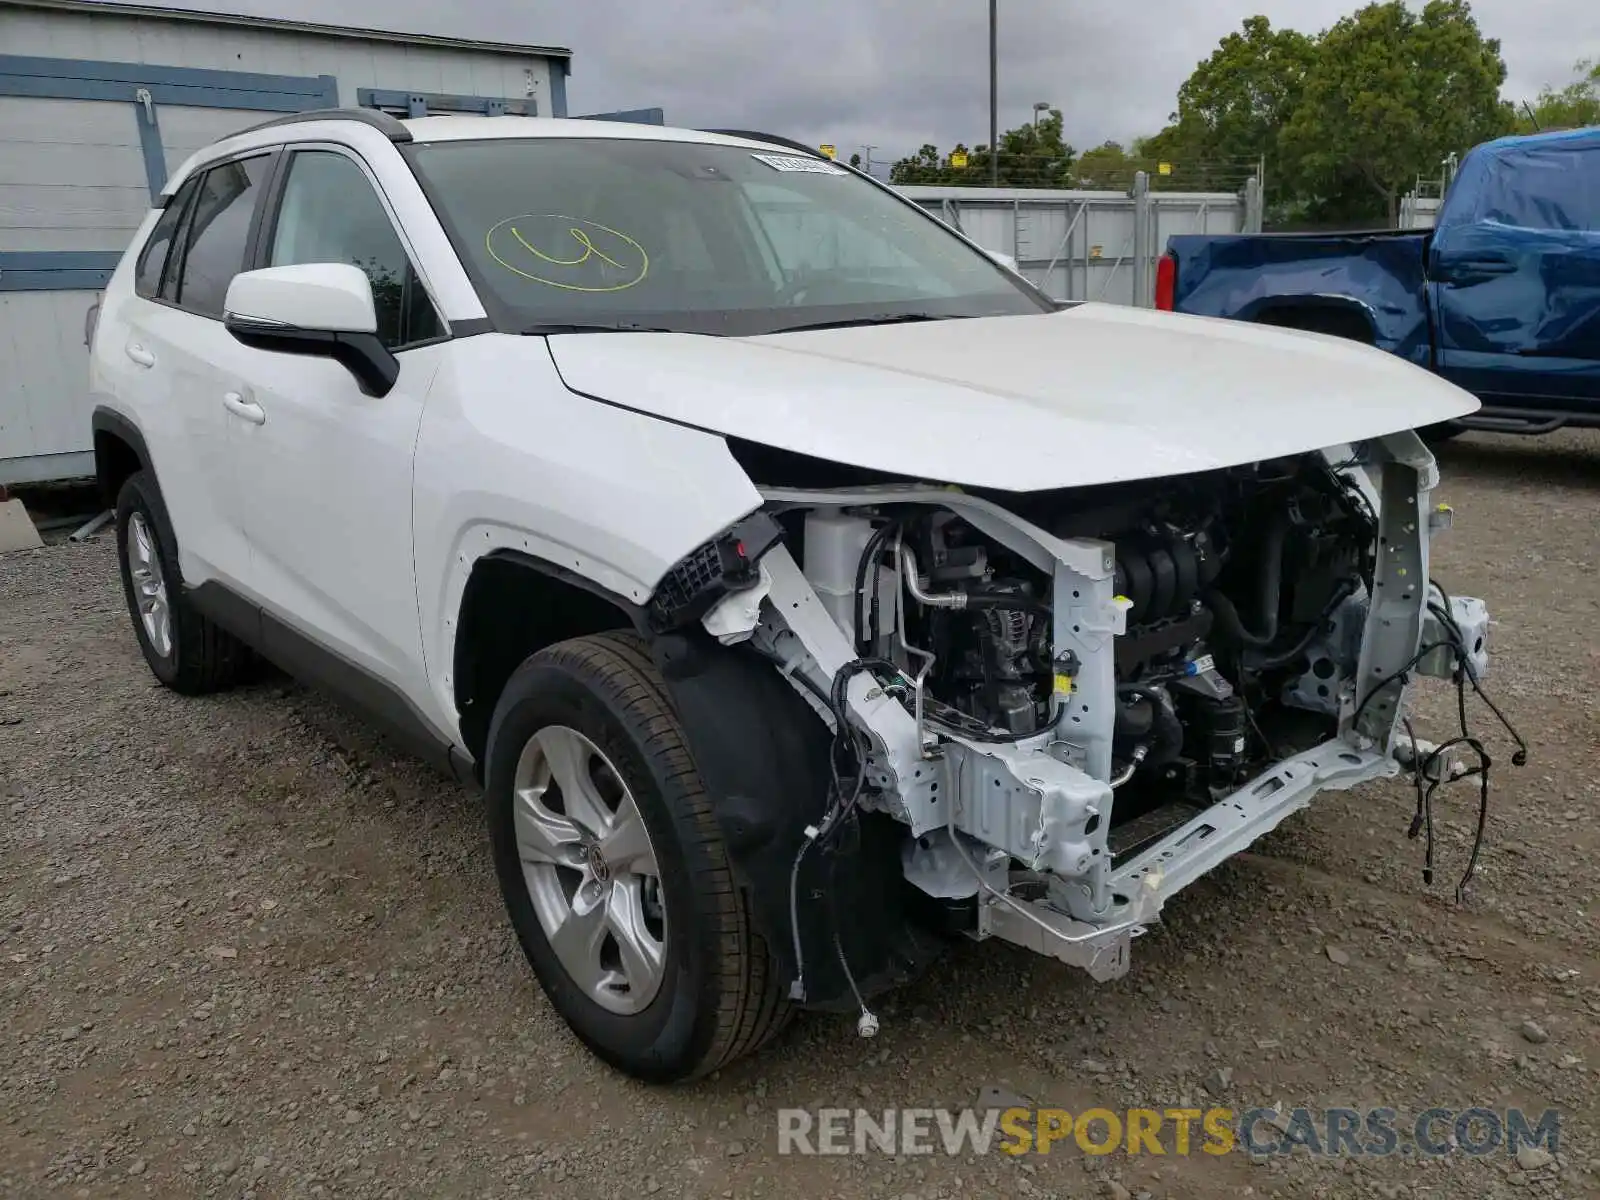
(246, 949)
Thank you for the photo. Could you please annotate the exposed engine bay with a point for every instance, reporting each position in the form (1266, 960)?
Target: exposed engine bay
(1223, 581)
(1073, 704)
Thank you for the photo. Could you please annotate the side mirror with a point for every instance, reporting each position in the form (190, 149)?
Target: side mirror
(321, 309)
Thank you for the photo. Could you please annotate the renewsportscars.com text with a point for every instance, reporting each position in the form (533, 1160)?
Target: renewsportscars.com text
(1372, 1132)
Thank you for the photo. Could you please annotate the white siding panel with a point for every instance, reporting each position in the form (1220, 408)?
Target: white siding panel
(269, 52)
(63, 163)
(324, 56)
(44, 391)
(96, 123)
(405, 67)
(355, 64)
(25, 31)
(185, 130)
(161, 42)
(71, 174)
(456, 75)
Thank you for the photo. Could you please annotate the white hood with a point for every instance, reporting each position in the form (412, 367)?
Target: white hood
(1089, 395)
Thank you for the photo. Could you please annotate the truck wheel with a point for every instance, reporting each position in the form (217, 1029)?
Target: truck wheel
(185, 651)
(614, 870)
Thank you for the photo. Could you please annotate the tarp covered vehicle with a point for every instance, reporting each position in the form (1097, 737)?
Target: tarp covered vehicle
(1501, 297)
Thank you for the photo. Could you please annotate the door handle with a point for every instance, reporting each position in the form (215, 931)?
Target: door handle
(1474, 270)
(1486, 266)
(244, 409)
(140, 355)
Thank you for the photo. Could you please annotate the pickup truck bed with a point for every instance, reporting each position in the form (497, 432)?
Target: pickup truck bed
(1502, 297)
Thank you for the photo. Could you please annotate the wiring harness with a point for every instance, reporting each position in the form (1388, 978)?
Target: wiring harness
(1430, 771)
(847, 761)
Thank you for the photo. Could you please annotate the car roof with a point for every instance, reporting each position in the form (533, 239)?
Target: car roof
(1583, 138)
(359, 124)
(472, 128)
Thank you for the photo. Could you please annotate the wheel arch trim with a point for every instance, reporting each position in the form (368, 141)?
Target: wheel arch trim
(105, 419)
(1316, 303)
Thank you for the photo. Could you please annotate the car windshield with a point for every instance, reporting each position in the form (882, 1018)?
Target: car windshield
(691, 237)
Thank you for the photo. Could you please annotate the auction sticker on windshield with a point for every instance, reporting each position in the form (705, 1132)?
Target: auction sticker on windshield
(794, 162)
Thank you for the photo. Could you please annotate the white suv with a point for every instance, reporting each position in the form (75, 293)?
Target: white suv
(802, 586)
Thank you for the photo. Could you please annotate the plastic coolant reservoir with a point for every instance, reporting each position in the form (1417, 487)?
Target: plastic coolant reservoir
(834, 545)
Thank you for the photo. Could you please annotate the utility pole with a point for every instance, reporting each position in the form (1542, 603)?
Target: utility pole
(867, 159)
(994, 93)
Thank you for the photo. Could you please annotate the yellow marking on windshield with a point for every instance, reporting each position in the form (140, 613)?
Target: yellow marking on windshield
(578, 230)
(582, 239)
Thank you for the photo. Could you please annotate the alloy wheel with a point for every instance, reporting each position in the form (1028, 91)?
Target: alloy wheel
(149, 585)
(590, 869)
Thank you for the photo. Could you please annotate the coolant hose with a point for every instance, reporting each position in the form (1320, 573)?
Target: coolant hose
(1271, 592)
(1271, 662)
(1168, 729)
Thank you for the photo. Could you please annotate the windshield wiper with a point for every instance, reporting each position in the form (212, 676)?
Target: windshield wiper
(875, 319)
(617, 327)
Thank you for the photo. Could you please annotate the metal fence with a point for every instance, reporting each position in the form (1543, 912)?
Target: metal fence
(1083, 245)
(1419, 211)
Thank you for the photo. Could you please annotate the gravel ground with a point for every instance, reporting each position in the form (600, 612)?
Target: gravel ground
(246, 949)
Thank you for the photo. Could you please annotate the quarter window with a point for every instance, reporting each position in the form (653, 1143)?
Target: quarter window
(153, 258)
(330, 214)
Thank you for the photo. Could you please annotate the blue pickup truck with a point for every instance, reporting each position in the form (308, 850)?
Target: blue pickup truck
(1501, 297)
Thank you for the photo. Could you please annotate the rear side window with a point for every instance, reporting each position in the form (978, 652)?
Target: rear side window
(219, 233)
(153, 258)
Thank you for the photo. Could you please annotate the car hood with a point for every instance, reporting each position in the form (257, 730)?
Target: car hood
(1092, 394)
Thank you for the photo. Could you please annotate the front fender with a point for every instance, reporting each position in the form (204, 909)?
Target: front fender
(508, 459)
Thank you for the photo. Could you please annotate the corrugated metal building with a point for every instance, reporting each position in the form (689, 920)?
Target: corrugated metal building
(98, 100)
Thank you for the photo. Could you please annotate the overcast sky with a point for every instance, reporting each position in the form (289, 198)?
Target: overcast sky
(898, 73)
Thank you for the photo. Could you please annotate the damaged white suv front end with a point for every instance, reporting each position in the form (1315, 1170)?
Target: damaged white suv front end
(1074, 725)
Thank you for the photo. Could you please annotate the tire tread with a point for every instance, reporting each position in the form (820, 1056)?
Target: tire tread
(751, 1008)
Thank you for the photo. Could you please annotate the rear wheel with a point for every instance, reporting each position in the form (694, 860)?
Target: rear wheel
(614, 870)
(183, 649)
(1335, 322)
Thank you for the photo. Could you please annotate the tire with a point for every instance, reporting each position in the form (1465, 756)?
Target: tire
(193, 656)
(717, 995)
(1333, 322)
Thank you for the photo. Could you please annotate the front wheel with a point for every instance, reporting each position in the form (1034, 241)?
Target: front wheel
(614, 870)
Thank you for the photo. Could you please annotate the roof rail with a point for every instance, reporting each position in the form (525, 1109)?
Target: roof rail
(772, 138)
(385, 123)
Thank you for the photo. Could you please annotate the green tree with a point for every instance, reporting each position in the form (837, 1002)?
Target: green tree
(1388, 95)
(1573, 107)
(1111, 167)
(926, 166)
(1106, 167)
(1030, 157)
(1232, 110)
